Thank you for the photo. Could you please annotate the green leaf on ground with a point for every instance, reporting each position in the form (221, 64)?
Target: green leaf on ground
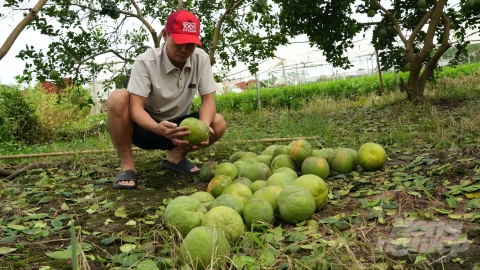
(6, 250)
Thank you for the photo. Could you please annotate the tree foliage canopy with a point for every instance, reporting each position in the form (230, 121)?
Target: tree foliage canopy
(410, 34)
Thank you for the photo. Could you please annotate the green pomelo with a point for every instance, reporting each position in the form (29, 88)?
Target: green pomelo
(280, 150)
(371, 12)
(281, 179)
(256, 171)
(343, 161)
(422, 4)
(256, 213)
(295, 204)
(470, 4)
(251, 160)
(287, 170)
(226, 220)
(204, 198)
(199, 131)
(183, 214)
(320, 153)
(240, 164)
(317, 188)
(228, 169)
(265, 159)
(316, 165)
(256, 185)
(248, 155)
(217, 185)
(270, 150)
(269, 194)
(330, 151)
(207, 171)
(300, 150)
(382, 32)
(371, 156)
(283, 160)
(243, 180)
(236, 156)
(230, 201)
(243, 192)
(202, 246)
(353, 151)
(54, 75)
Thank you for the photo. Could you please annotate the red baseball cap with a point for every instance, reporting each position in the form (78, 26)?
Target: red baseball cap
(184, 27)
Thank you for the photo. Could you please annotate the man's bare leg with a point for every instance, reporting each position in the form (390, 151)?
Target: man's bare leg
(120, 126)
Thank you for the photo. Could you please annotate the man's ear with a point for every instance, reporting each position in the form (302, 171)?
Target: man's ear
(164, 34)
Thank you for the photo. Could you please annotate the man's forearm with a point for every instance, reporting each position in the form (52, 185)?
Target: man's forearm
(143, 119)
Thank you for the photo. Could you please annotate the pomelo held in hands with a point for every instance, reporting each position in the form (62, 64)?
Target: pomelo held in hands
(199, 131)
(371, 156)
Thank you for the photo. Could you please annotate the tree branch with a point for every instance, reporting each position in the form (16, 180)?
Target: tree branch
(216, 35)
(444, 46)
(420, 25)
(393, 20)
(153, 33)
(32, 15)
(428, 45)
(138, 15)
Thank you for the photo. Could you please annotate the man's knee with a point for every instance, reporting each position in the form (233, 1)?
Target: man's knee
(118, 99)
(219, 124)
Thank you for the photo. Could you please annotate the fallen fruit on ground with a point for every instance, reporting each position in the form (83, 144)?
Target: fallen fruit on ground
(243, 180)
(266, 159)
(287, 170)
(281, 179)
(300, 150)
(217, 185)
(207, 171)
(343, 161)
(317, 188)
(283, 160)
(199, 131)
(371, 156)
(256, 185)
(203, 246)
(239, 190)
(228, 169)
(269, 194)
(256, 212)
(295, 204)
(316, 165)
(255, 171)
(183, 214)
(270, 150)
(205, 198)
(226, 220)
(231, 201)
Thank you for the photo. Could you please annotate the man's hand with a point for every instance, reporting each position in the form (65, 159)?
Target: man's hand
(202, 144)
(173, 132)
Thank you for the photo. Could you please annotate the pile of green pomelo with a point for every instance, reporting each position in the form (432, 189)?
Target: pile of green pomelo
(284, 183)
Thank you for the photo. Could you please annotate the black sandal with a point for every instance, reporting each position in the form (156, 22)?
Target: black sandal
(184, 166)
(127, 175)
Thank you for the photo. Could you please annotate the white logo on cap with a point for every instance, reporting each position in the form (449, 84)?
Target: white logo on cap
(189, 27)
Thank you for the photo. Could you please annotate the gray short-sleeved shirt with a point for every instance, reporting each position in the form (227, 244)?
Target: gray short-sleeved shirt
(169, 90)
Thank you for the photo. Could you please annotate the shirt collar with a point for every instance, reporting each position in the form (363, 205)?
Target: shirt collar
(166, 61)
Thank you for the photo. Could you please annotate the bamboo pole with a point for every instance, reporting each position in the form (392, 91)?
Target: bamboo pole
(72, 153)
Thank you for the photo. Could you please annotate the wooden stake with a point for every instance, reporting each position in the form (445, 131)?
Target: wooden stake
(71, 153)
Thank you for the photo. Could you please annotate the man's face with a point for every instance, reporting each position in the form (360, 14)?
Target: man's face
(178, 53)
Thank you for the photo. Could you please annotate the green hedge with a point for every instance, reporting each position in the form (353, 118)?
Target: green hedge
(293, 97)
(19, 120)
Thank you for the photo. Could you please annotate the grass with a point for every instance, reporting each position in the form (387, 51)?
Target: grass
(432, 148)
